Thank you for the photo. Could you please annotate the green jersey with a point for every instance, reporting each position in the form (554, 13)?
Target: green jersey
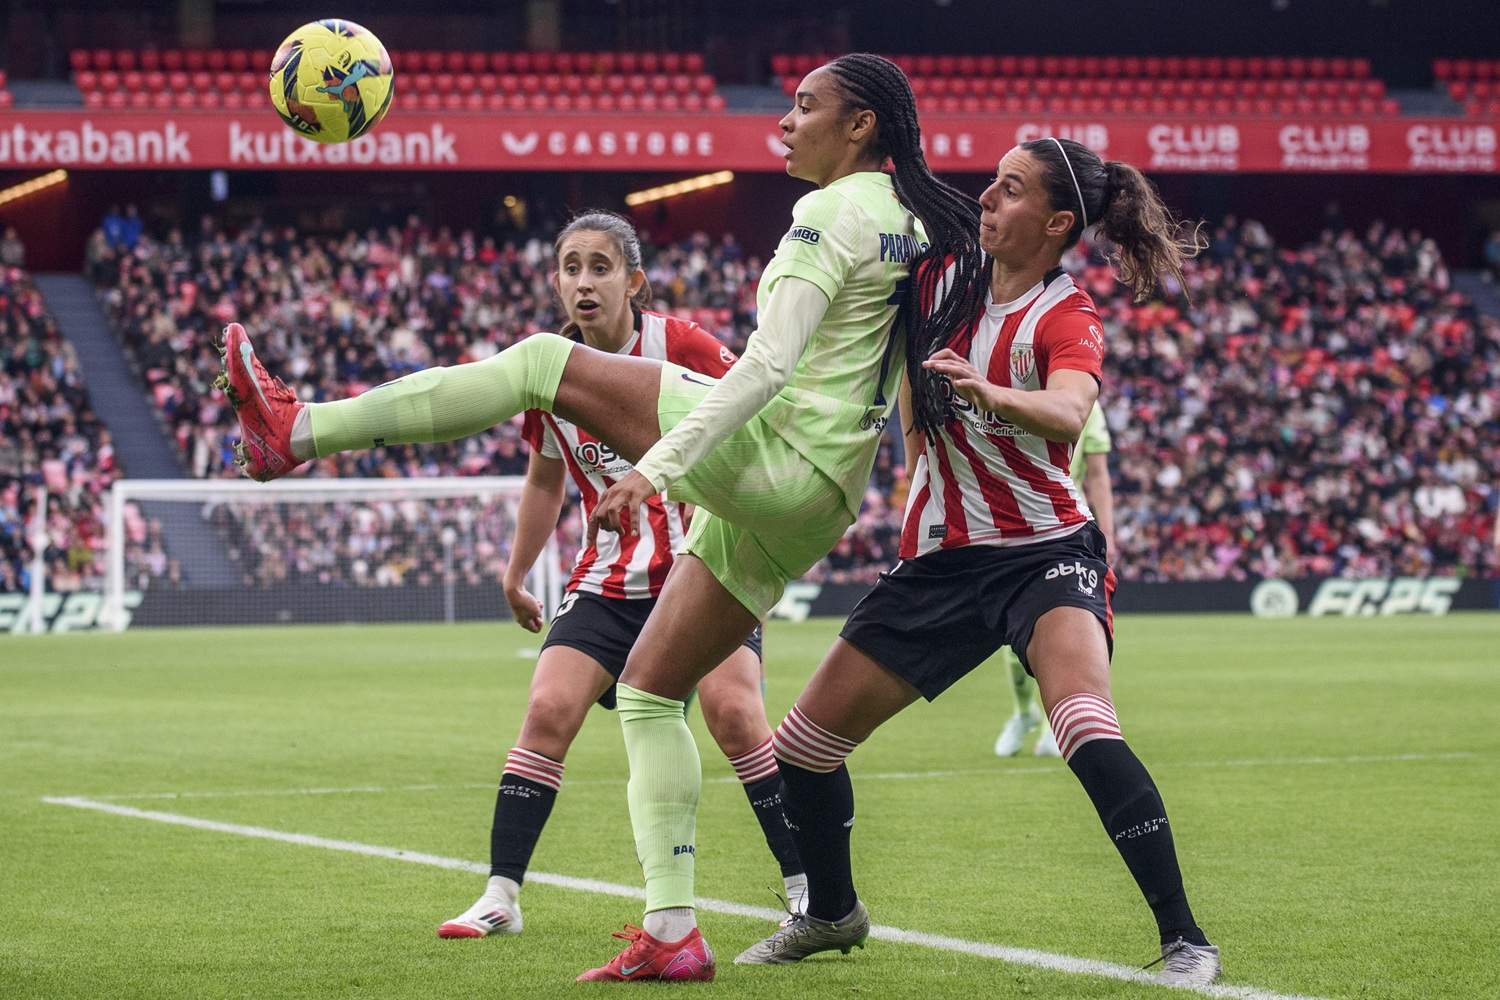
(856, 242)
(1093, 440)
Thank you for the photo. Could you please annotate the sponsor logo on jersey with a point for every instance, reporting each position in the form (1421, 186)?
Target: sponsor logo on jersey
(873, 418)
(900, 248)
(1088, 578)
(726, 355)
(698, 381)
(805, 234)
(983, 420)
(937, 531)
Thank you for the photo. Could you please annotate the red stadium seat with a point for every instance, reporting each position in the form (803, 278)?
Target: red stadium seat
(550, 83)
(431, 62)
(78, 60)
(124, 59)
(115, 99)
(216, 60)
(92, 99)
(177, 81)
(260, 60)
(132, 80)
(569, 62)
(628, 102)
(432, 102)
(629, 62)
(692, 62)
(185, 100)
(234, 100)
(239, 61)
(86, 80)
(713, 102)
(650, 62)
(494, 101)
(607, 102)
(692, 102)
(249, 83)
(659, 83)
(193, 61)
(109, 80)
(420, 82)
(138, 99)
(171, 60)
(455, 62)
(515, 101)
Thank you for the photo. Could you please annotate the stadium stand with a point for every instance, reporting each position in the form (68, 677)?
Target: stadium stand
(1473, 83)
(1129, 84)
(49, 435)
(1325, 409)
(431, 80)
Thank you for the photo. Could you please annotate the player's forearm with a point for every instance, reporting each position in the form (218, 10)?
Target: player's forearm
(794, 311)
(1055, 414)
(1101, 499)
(536, 520)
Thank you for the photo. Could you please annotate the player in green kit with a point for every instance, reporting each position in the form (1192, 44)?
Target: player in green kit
(1090, 470)
(776, 454)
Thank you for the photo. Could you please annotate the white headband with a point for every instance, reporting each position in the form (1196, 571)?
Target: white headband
(1076, 188)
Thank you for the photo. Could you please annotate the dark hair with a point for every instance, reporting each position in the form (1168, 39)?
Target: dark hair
(1148, 242)
(627, 240)
(950, 218)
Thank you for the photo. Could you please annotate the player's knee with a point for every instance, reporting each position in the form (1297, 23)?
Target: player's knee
(736, 723)
(551, 722)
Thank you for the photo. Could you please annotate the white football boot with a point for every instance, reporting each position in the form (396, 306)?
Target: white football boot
(496, 912)
(1188, 964)
(1046, 744)
(1017, 728)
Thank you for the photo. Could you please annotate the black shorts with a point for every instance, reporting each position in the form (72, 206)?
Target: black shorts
(933, 619)
(606, 627)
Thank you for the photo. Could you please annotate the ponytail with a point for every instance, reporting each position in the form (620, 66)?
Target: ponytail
(1148, 242)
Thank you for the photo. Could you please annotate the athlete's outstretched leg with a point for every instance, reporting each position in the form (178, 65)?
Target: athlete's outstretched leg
(846, 700)
(565, 685)
(1069, 656)
(694, 627)
(735, 713)
(612, 397)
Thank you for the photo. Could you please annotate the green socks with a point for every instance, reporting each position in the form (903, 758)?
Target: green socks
(1020, 683)
(442, 404)
(665, 776)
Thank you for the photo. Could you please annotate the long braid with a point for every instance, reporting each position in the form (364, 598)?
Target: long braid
(950, 217)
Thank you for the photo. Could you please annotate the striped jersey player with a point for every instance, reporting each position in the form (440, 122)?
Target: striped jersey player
(984, 481)
(633, 566)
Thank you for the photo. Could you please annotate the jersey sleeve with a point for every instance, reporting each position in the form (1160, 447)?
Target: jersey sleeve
(539, 436)
(823, 244)
(1070, 336)
(1095, 438)
(691, 346)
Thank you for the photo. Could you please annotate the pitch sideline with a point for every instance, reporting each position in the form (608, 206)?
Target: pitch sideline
(880, 932)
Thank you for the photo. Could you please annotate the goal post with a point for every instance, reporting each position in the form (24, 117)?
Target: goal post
(229, 552)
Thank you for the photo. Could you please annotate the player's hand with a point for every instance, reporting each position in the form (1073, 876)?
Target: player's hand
(966, 379)
(526, 608)
(616, 509)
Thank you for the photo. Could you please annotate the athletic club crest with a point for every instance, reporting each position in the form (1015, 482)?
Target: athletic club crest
(1022, 363)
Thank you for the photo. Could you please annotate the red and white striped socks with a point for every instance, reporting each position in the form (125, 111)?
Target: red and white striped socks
(1082, 718)
(535, 767)
(756, 764)
(802, 742)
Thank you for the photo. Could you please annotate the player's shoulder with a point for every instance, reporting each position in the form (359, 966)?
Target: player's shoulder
(825, 211)
(686, 342)
(1065, 303)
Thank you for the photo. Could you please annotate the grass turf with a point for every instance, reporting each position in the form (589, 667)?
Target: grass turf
(1331, 783)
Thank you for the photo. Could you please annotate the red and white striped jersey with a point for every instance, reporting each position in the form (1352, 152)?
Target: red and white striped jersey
(981, 480)
(636, 566)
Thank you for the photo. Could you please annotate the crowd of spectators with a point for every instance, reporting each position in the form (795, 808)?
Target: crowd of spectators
(1331, 408)
(50, 438)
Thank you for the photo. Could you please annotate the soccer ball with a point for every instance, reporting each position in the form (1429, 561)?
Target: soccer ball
(331, 80)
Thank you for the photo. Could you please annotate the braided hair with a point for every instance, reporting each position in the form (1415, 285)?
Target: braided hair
(1147, 241)
(950, 217)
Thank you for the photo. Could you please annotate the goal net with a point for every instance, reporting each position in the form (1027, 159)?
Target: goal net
(234, 552)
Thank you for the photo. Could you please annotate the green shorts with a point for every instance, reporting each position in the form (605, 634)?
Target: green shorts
(768, 514)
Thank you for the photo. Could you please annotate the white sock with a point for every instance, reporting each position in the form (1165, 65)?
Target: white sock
(672, 924)
(303, 446)
(502, 889)
(796, 892)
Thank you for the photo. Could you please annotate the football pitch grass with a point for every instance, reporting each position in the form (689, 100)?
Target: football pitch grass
(1333, 784)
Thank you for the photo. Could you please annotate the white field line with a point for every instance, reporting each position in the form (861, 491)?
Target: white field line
(975, 772)
(1015, 956)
